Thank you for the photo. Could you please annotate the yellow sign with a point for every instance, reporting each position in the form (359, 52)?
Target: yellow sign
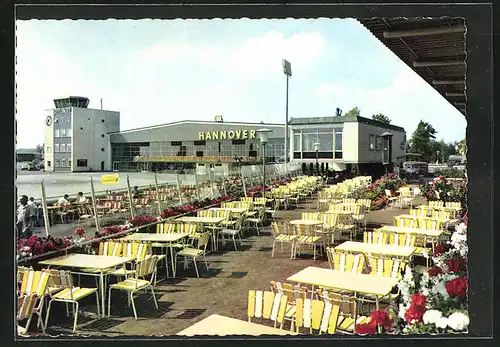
(110, 179)
(225, 135)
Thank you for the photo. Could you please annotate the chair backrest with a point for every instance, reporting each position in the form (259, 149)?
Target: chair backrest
(385, 266)
(388, 193)
(203, 241)
(34, 282)
(136, 249)
(346, 262)
(310, 215)
(110, 248)
(291, 291)
(403, 222)
(146, 267)
(402, 239)
(268, 305)
(429, 224)
(347, 309)
(365, 202)
(316, 315)
(378, 237)
(25, 305)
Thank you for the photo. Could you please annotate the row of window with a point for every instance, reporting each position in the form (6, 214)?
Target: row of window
(326, 142)
(61, 163)
(58, 148)
(62, 132)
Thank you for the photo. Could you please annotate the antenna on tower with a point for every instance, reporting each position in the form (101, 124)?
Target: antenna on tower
(101, 103)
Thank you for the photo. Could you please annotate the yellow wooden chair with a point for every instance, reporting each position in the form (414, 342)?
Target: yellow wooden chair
(391, 200)
(386, 266)
(345, 262)
(283, 233)
(232, 231)
(138, 282)
(306, 235)
(347, 310)
(429, 224)
(316, 315)
(418, 212)
(292, 292)
(33, 290)
(267, 305)
(137, 250)
(69, 293)
(403, 222)
(189, 251)
(310, 215)
(367, 204)
(345, 224)
(258, 220)
(378, 237)
(26, 305)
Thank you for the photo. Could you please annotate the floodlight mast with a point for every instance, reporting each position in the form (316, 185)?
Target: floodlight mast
(287, 70)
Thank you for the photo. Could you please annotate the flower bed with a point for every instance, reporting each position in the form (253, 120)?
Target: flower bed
(376, 191)
(445, 190)
(436, 301)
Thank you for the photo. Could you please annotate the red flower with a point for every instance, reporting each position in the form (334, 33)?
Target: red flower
(50, 246)
(456, 265)
(414, 314)
(434, 271)
(382, 318)
(418, 301)
(441, 248)
(79, 231)
(366, 329)
(457, 287)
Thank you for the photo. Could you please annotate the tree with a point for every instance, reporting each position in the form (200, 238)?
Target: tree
(421, 141)
(461, 147)
(381, 118)
(39, 152)
(338, 112)
(443, 149)
(353, 112)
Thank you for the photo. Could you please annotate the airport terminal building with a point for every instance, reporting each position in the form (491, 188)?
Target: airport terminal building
(81, 139)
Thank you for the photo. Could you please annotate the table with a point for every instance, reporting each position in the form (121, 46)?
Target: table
(379, 286)
(416, 231)
(203, 220)
(231, 209)
(362, 247)
(441, 220)
(160, 238)
(223, 326)
(306, 222)
(90, 261)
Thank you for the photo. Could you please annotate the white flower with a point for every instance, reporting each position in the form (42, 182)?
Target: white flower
(432, 316)
(442, 323)
(458, 321)
(425, 254)
(461, 228)
(402, 310)
(408, 273)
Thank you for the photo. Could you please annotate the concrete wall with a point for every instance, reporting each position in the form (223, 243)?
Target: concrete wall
(90, 138)
(350, 143)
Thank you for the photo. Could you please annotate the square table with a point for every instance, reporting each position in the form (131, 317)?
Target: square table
(90, 261)
(306, 222)
(391, 250)
(379, 286)
(222, 326)
(160, 238)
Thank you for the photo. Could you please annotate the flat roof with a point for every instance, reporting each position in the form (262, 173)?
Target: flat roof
(194, 122)
(343, 119)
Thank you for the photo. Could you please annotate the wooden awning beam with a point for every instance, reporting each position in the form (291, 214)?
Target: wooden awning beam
(460, 28)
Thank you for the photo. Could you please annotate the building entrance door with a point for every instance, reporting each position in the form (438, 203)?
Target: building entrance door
(115, 166)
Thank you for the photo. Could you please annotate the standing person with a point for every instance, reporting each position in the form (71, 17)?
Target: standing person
(33, 211)
(23, 224)
(135, 192)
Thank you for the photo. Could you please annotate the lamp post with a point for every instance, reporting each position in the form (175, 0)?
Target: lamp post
(316, 148)
(287, 70)
(263, 135)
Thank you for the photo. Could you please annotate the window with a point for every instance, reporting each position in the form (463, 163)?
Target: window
(176, 143)
(238, 142)
(68, 147)
(200, 143)
(199, 153)
(296, 142)
(48, 149)
(49, 163)
(102, 120)
(372, 143)
(63, 132)
(63, 161)
(378, 143)
(81, 162)
(102, 135)
(68, 132)
(57, 163)
(338, 143)
(69, 162)
(56, 147)
(63, 148)
(56, 132)
(102, 149)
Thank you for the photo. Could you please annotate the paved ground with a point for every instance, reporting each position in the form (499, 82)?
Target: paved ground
(223, 289)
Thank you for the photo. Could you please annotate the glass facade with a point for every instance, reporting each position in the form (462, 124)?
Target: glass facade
(329, 140)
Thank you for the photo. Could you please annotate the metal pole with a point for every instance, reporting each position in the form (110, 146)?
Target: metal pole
(197, 187)
(132, 206)
(157, 196)
(264, 165)
(179, 189)
(243, 181)
(45, 211)
(286, 126)
(94, 203)
(211, 183)
(224, 182)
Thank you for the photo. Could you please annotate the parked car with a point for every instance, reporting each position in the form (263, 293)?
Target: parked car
(415, 169)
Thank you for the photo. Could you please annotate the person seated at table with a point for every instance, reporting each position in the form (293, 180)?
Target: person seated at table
(64, 199)
(135, 192)
(80, 199)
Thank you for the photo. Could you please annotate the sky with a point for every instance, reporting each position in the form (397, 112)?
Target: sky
(161, 71)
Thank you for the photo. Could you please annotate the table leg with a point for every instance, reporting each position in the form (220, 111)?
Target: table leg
(173, 261)
(376, 302)
(103, 293)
